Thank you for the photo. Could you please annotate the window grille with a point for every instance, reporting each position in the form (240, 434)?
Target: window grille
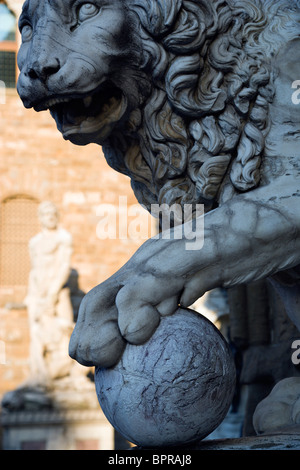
(8, 46)
(18, 223)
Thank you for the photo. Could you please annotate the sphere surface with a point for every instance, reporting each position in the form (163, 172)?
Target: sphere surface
(174, 389)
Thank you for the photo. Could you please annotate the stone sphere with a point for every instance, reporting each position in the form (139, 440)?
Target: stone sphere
(174, 389)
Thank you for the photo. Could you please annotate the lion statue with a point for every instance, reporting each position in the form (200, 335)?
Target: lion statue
(196, 102)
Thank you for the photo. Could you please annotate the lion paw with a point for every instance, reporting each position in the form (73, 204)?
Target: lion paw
(96, 339)
(112, 315)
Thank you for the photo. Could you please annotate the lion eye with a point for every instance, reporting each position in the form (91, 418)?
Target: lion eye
(86, 11)
(26, 32)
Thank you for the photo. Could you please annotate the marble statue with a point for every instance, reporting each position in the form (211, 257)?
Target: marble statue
(48, 300)
(157, 396)
(51, 320)
(196, 102)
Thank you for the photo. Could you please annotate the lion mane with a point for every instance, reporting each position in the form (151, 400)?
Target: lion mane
(205, 123)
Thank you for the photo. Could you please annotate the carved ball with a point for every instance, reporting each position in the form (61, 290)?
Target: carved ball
(174, 389)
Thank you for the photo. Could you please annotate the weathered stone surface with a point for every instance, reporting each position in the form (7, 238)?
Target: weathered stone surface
(280, 409)
(281, 441)
(175, 388)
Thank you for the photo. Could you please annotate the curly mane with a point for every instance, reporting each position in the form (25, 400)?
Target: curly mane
(207, 117)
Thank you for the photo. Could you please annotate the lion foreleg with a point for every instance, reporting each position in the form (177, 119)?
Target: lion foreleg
(249, 238)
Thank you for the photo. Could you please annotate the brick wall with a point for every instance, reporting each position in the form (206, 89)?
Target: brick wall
(36, 161)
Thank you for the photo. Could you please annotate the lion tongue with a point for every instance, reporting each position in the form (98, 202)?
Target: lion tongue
(74, 113)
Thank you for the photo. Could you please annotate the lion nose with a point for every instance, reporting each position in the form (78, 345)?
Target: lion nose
(43, 68)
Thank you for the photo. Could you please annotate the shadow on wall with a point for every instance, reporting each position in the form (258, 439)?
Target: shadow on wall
(75, 292)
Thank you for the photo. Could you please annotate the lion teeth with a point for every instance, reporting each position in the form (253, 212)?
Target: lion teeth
(87, 101)
(54, 101)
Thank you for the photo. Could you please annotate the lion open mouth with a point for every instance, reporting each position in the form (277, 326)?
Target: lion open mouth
(90, 117)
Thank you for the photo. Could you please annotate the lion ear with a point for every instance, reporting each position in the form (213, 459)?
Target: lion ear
(157, 16)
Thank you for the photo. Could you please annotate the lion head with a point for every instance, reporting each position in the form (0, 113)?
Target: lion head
(77, 61)
(176, 91)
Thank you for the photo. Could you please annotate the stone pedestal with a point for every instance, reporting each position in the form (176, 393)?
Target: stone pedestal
(285, 440)
(56, 430)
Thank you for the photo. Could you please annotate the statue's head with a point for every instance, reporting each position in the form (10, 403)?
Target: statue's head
(48, 215)
(168, 88)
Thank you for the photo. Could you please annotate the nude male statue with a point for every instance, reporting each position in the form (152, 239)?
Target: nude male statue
(48, 298)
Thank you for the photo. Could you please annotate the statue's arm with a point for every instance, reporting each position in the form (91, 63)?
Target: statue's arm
(61, 268)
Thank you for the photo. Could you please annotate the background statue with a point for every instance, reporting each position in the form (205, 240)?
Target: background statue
(54, 377)
(48, 300)
(193, 100)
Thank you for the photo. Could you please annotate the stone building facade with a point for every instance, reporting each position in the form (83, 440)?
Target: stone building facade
(36, 164)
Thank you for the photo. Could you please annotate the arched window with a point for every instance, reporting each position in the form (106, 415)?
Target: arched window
(8, 46)
(18, 223)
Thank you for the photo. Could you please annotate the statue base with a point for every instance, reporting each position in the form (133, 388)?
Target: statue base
(56, 430)
(286, 439)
